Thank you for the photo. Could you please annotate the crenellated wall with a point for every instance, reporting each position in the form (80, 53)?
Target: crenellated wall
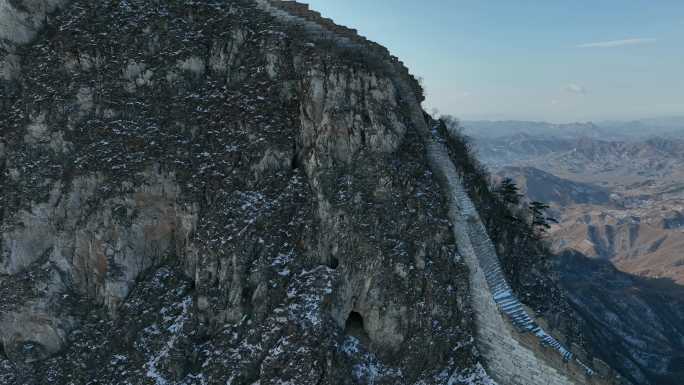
(325, 28)
(516, 349)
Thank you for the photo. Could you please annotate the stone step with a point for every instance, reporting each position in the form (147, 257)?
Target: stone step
(486, 254)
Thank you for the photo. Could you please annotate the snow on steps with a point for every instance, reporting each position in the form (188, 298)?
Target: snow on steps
(473, 238)
(462, 210)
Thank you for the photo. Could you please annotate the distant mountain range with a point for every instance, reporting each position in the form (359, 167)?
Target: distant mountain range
(666, 127)
(671, 127)
(498, 129)
(588, 159)
(619, 199)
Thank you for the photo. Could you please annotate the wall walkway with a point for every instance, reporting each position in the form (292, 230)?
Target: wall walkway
(516, 349)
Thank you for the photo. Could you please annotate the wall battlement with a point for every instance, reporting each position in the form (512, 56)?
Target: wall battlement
(302, 14)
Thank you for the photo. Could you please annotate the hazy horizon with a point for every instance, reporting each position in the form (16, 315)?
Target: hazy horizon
(599, 122)
(546, 61)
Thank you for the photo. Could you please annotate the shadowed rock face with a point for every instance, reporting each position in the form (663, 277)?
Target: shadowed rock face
(636, 323)
(541, 186)
(196, 192)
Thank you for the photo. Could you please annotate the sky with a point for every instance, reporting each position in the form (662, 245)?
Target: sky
(553, 60)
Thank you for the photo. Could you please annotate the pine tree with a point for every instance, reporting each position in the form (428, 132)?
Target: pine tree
(540, 221)
(508, 191)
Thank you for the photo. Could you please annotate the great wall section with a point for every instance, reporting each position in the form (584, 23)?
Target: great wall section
(516, 350)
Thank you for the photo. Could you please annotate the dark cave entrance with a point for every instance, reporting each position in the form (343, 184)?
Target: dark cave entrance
(334, 262)
(354, 327)
(296, 161)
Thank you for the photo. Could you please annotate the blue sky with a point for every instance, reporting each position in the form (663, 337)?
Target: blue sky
(569, 60)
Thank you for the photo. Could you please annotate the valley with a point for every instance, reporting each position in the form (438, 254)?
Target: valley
(617, 192)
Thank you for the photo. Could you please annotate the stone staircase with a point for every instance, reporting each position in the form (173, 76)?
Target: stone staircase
(471, 224)
(508, 359)
(489, 284)
(501, 291)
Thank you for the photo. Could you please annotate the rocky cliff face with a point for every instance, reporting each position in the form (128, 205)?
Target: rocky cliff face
(237, 192)
(198, 192)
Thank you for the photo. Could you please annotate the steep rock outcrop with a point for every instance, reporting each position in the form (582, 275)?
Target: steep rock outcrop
(203, 192)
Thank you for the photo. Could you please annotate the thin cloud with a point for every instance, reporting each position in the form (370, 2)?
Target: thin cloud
(617, 43)
(575, 89)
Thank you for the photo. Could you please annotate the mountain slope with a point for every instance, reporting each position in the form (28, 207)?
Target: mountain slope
(646, 241)
(639, 321)
(207, 154)
(541, 186)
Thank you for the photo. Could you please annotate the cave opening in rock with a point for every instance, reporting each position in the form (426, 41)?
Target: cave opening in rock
(354, 327)
(295, 162)
(334, 262)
